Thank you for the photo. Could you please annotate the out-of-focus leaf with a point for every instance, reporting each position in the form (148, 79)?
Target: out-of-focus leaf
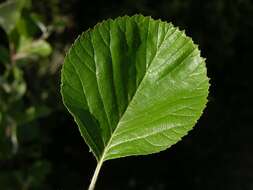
(38, 21)
(18, 86)
(10, 12)
(27, 27)
(60, 23)
(34, 48)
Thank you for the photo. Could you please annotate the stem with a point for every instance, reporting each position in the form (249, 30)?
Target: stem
(95, 176)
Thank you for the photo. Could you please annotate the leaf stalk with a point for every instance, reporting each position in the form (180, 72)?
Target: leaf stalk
(95, 175)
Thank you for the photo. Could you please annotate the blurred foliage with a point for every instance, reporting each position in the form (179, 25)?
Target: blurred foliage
(28, 68)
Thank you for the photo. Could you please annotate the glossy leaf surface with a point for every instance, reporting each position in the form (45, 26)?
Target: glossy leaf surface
(134, 86)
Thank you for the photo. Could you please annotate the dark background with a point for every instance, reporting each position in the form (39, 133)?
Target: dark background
(216, 155)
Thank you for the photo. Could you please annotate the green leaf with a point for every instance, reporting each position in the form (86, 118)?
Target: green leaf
(29, 48)
(27, 26)
(10, 12)
(134, 86)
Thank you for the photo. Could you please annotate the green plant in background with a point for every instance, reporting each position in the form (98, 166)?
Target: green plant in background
(26, 80)
(23, 48)
(134, 86)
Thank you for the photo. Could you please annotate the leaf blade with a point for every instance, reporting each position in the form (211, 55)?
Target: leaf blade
(146, 89)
